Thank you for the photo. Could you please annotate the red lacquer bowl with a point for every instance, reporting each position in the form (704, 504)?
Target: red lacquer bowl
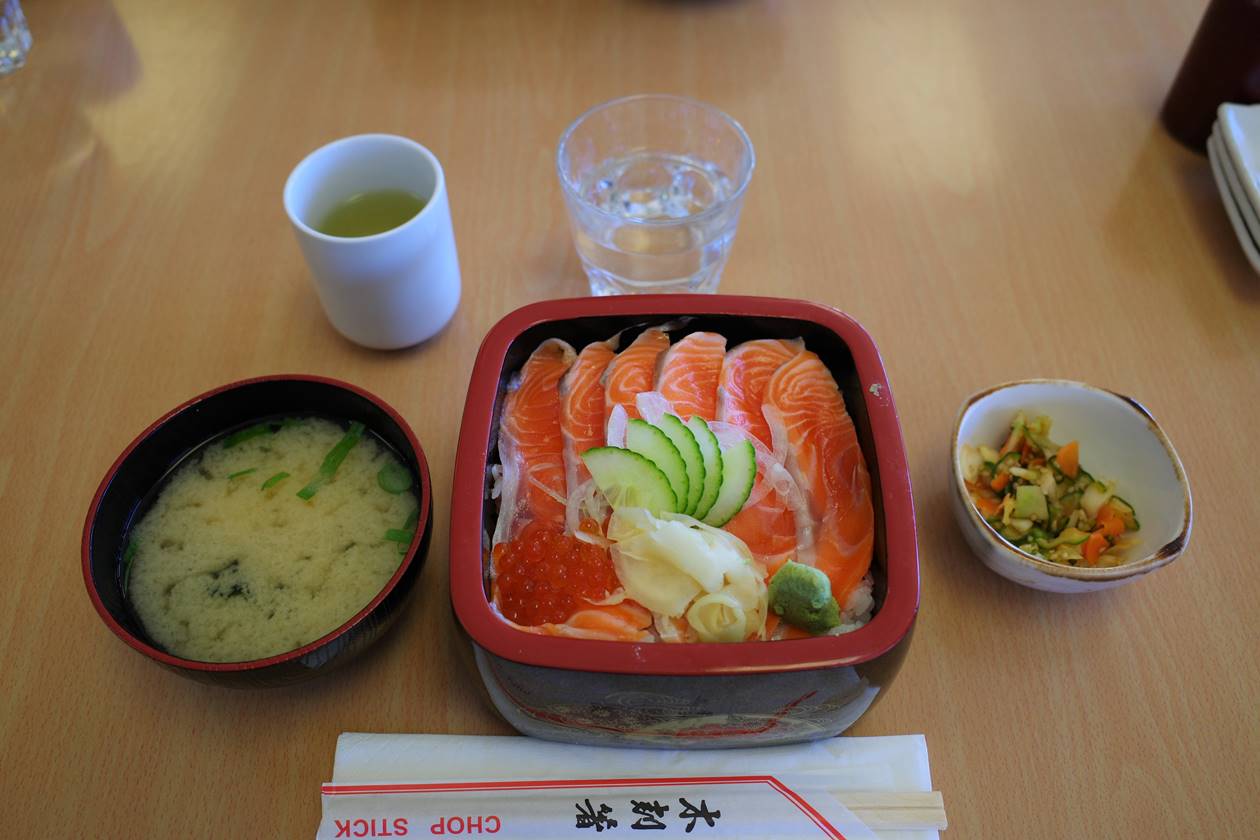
(159, 448)
(700, 695)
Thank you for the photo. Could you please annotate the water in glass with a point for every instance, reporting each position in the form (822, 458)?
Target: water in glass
(649, 226)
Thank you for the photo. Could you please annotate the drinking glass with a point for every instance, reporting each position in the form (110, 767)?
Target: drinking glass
(654, 186)
(15, 37)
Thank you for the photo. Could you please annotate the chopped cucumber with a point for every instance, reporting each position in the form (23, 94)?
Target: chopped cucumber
(655, 445)
(1020, 525)
(712, 455)
(684, 441)
(1126, 513)
(1006, 463)
(739, 471)
(1030, 503)
(1070, 536)
(1096, 495)
(1016, 437)
(628, 479)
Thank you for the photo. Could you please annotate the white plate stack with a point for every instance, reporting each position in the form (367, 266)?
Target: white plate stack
(1234, 149)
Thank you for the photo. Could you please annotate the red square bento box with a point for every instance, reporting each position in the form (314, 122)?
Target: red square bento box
(686, 695)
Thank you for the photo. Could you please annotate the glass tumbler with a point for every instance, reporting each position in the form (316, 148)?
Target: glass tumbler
(15, 36)
(654, 186)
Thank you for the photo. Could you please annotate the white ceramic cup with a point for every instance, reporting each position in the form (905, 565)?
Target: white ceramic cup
(393, 289)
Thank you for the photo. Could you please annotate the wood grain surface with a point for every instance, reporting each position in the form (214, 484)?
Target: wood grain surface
(983, 184)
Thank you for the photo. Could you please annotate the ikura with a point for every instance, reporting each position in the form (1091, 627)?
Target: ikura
(544, 575)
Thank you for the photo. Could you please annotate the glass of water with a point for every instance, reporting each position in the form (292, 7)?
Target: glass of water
(15, 37)
(654, 185)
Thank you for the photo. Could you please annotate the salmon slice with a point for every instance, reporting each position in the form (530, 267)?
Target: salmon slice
(633, 370)
(746, 372)
(807, 416)
(767, 526)
(582, 407)
(689, 374)
(530, 443)
(624, 622)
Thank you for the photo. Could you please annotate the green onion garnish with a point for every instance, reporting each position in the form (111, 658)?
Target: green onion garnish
(274, 480)
(333, 460)
(412, 519)
(394, 478)
(398, 535)
(245, 434)
(241, 473)
(129, 554)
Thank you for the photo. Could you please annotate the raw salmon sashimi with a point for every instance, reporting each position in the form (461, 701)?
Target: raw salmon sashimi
(807, 416)
(582, 415)
(633, 371)
(767, 523)
(746, 372)
(530, 447)
(689, 373)
(624, 622)
(532, 509)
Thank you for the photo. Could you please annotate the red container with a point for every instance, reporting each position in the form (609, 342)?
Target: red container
(686, 695)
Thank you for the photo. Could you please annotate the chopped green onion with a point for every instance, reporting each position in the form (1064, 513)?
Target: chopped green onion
(394, 478)
(412, 519)
(241, 473)
(246, 434)
(274, 480)
(399, 535)
(129, 554)
(333, 460)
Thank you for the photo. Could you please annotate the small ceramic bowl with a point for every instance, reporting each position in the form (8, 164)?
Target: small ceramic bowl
(1120, 441)
(159, 448)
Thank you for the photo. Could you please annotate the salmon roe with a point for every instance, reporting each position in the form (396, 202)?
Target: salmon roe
(544, 575)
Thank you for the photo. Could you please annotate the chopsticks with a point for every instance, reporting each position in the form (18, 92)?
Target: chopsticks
(900, 810)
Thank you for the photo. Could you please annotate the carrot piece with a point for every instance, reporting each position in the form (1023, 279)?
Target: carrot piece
(988, 507)
(1110, 523)
(999, 482)
(1094, 547)
(1069, 458)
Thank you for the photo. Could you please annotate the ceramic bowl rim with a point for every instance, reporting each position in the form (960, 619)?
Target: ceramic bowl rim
(472, 609)
(253, 665)
(1159, 558)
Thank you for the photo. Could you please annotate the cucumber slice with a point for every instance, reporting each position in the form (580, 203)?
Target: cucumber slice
(712, 455)
(1127, 513)
(1096, 495)
(627, 479)
(1006, 463)
(655, 445)
(685, 442)
(739, 470)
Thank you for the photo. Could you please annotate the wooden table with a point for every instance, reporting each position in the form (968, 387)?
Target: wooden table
(982, 184)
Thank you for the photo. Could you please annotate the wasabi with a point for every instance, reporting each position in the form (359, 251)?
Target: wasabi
(801, 596)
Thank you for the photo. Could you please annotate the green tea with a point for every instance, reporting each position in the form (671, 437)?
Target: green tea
(370, 213)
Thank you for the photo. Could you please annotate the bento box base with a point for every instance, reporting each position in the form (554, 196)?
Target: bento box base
(682, 712)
